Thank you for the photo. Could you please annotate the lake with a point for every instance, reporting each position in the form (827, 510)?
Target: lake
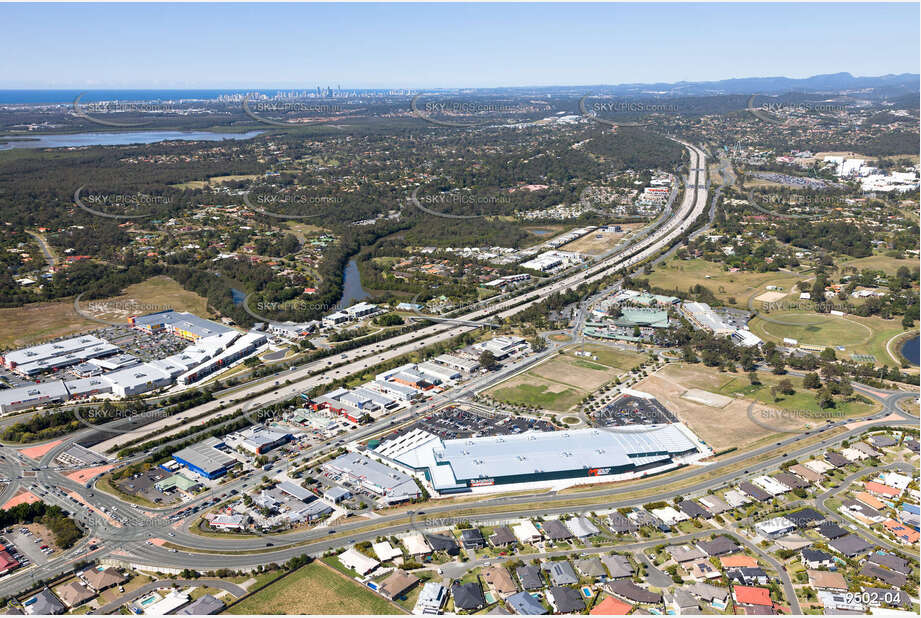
(910, 351)
(123, 138)
(351, 286)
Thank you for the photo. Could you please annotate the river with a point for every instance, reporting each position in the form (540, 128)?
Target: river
(351, 286)
(123, 138)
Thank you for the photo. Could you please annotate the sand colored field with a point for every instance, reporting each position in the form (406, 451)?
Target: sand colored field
(39, 322)
(770, 297)
(599, 241)
(706, 398)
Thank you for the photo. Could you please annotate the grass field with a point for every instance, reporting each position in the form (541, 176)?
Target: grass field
(876, 262)
(314, 589)
(31, 324)
(858, 335)
(561, 382)
(731, 426)
(683, 274)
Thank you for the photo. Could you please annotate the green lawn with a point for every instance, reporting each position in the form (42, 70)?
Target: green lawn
(314, 589)
(537, 395)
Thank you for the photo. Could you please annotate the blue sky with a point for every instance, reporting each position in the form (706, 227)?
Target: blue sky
(425, 45)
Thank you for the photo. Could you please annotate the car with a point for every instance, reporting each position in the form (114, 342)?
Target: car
(270, 544)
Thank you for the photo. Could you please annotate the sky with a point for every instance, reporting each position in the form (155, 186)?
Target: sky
(444, 45)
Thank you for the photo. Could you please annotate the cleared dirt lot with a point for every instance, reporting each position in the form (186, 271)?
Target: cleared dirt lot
(599, 241)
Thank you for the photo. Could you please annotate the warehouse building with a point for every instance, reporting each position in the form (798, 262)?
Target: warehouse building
(459, 465)
(186, 325)
(392, 485)
(257, 440)
(206, 458)
(75, 347)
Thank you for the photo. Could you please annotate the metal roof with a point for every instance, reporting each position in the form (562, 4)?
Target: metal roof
(537, 452)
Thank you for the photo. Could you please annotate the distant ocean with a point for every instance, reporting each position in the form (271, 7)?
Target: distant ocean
(8, 97)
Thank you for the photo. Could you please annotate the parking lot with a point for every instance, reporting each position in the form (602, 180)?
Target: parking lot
(458, 422)
(144, 486)
(633, 411)
(26, 546)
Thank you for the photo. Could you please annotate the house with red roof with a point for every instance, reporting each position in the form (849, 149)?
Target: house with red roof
(902, 532)
(883, 491)
(752, 595)
(611, 606)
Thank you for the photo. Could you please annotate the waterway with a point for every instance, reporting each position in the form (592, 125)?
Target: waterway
(910, 351)
(351, 286)
(123, 138)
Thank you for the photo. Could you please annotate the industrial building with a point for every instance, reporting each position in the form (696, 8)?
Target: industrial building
(459, 465)
(126, 377)
(186, 325)
(206, 458)
(502, 347)
(392, 485)
(702, 317)
(257, 440)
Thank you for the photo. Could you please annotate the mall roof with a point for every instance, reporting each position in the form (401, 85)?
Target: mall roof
(540, 452)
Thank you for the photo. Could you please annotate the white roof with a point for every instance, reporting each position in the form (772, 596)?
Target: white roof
(525, 531)
(416, 544)
(385, 551)
(360, 563)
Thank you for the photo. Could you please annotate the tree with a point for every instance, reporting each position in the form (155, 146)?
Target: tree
(825, 399)
(488, 360)
(812, 380)
(753, 378)
(786, 387)
(828, 355)
(538, 344)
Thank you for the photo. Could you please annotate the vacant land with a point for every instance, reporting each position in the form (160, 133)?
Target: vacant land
(730, 425)
(314, 589)
(884, 263)
(683, 274)
(858, 335)
(214, 180)
(564, 380)
(611, 357)
(599, 241)
(31, 324)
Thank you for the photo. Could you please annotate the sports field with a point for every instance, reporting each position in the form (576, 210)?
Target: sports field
(37, 322)
(314, 589)
(858, 335)
(681, 275)
(561, 382)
